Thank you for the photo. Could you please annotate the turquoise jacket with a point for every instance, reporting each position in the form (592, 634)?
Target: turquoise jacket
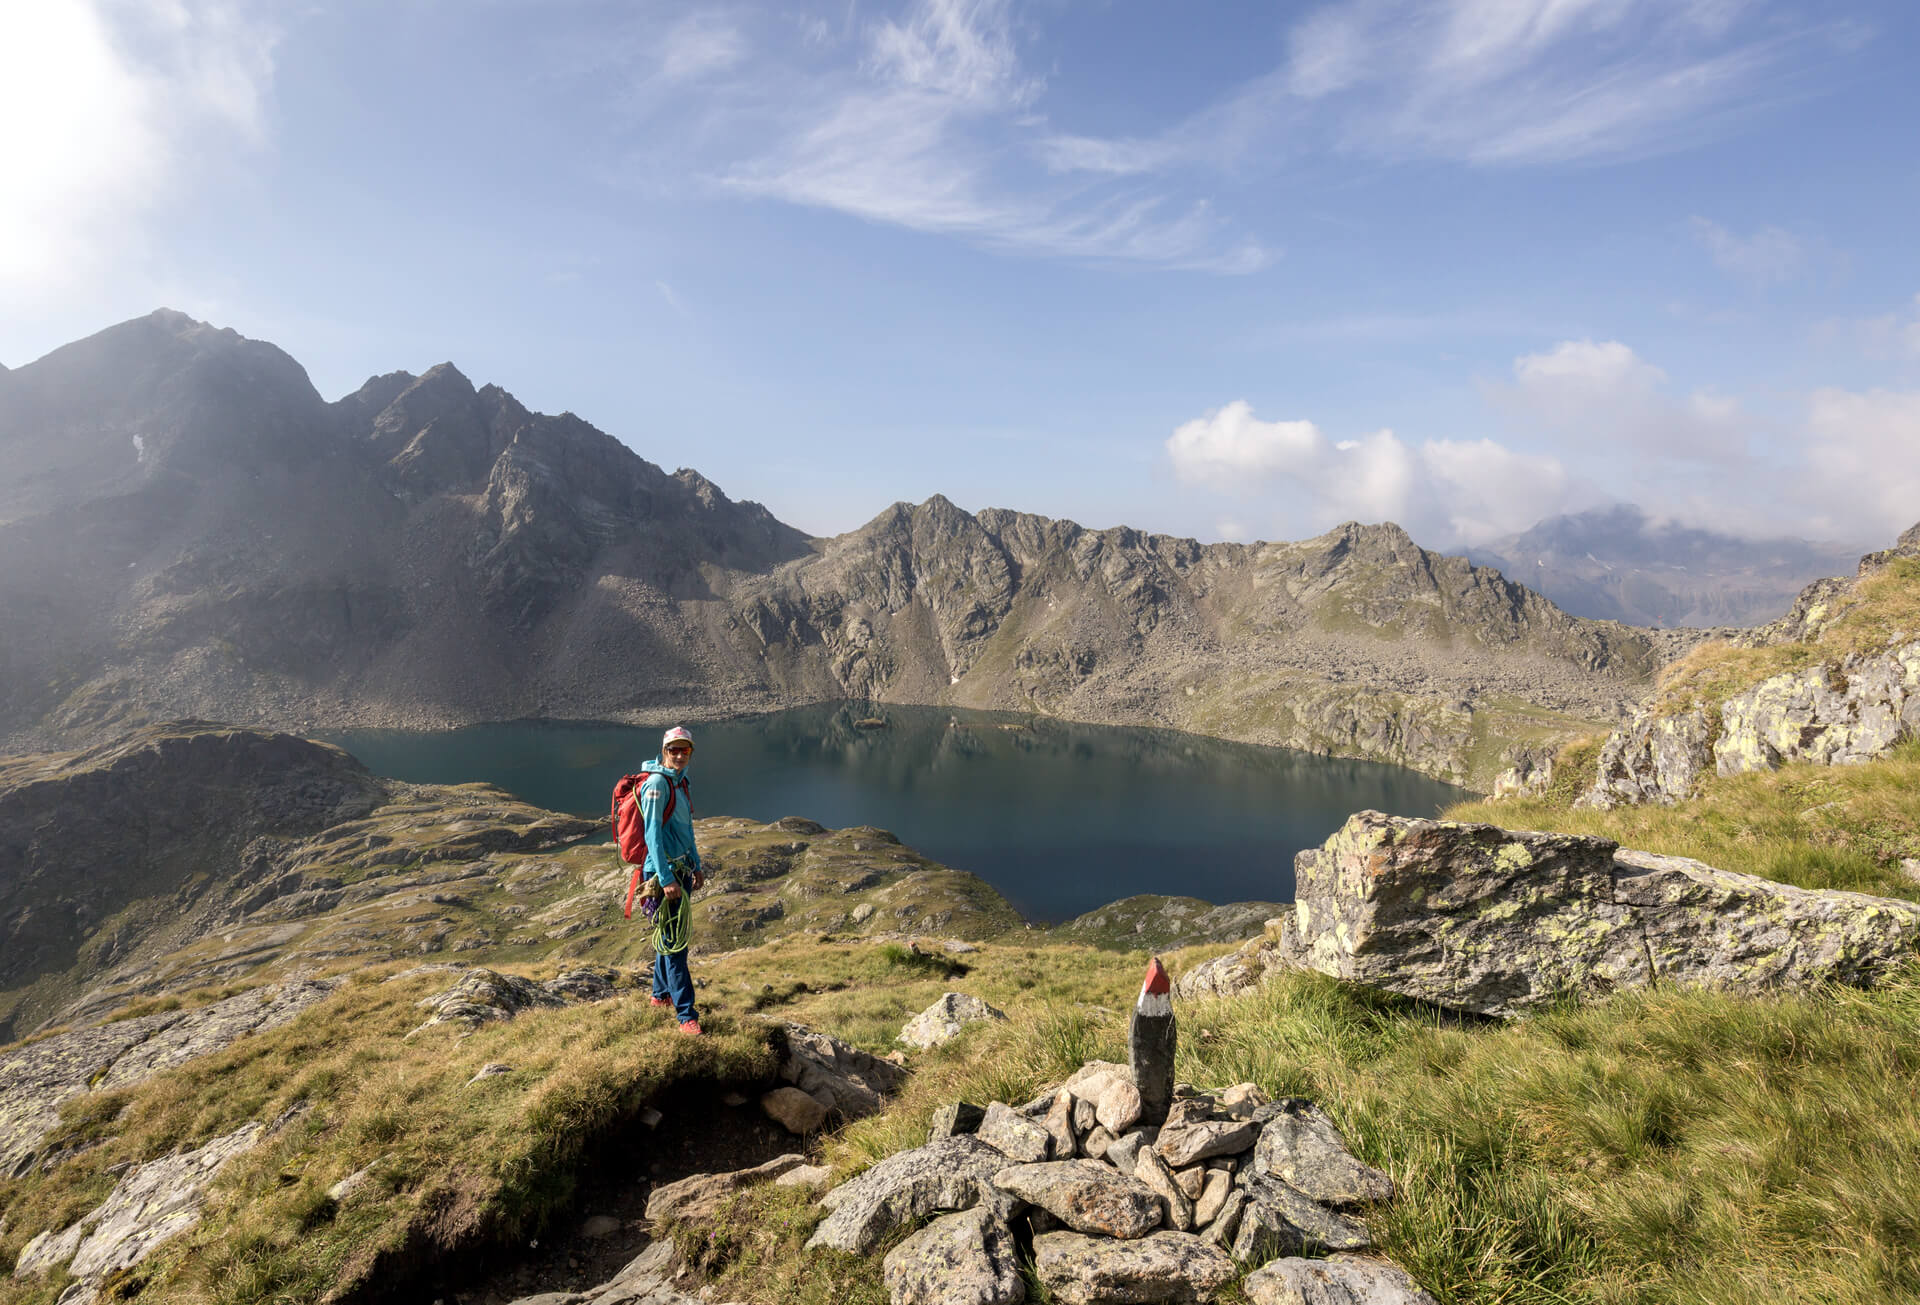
(669, 841)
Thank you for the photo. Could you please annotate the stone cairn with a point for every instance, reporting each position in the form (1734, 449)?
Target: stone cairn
(1119, 1206)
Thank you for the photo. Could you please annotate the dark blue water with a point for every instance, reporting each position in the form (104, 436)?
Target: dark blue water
(1060, 818)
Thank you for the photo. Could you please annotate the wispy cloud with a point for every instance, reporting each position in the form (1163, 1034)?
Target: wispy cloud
(105, 111)
(1769, 256)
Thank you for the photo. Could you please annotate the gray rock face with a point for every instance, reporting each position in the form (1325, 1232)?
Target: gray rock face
(1167, 1268)
(824, 1067)
(944, 1175)
(958, 1259)
(1654, 759)
(152, 1204)
(1278, 948)
(942, 1022)
(1497, 922)
(1829, 715)
(36, 1078)
(1014, 1135)
(1278, 1220)
(1301, 1146)
(1086, 1196)
(1336, 1280)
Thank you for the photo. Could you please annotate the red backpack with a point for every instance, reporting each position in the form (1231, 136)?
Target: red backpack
(630, 827)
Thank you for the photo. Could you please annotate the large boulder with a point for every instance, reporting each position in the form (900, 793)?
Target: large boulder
(942, 1022)
(946, 1175)
(1301, 1146)
(1499, 922)
(1086, 1196)
(1167, 1268)
(958, 1259)
(1336, 1280)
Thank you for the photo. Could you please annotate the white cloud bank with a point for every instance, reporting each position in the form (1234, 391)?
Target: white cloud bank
(1840, 465)
(1447, 491)
(106, 107)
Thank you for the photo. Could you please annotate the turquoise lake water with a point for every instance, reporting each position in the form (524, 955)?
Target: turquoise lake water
(1060, 818)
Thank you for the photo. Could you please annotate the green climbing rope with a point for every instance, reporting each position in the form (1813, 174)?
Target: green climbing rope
(672, 923)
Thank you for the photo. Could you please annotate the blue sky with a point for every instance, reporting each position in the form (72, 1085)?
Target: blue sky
(1232, 271)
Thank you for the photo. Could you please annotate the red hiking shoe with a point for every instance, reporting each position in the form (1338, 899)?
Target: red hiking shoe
(661, 1001)
(691, 1026)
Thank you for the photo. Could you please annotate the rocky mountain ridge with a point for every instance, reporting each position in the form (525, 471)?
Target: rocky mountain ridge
(190, 530)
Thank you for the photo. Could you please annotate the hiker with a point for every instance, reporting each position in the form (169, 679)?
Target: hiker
(673, 864)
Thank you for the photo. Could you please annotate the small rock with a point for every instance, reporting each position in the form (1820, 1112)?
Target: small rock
(1096, 1142)
(353, 1182)
(958, 1259)
(1013, 1135)
(1220, 1232)
(734, 1099)
(1059, 1126)
(1242, 1099)
(941, 1022)
(650, 1117)
(1085, 1118)
(1188, 1145)
(1191, 1179)
(1166, 1268)
(1337, 1280)
(1152, 1170)
(1213, 1197)
(1090, 1080)
(594, 1227)
(1119, 1107)
(1301, 1146)
(489, 1070)
(954, 1119)
(1086, 1196)
(861, 913)
(1124, 1154)
(1911, 869)
(805, 1176)
(794, 1110)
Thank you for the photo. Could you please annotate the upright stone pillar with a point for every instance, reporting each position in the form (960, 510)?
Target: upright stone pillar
(1150, 1044)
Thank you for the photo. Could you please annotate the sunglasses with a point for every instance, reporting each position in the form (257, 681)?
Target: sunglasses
(680, 750)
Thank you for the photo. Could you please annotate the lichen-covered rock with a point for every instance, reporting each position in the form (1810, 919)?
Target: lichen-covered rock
(958, 1259)
(942, 1022)
(36, 1078)
(1336, 1280)
(482, 995)
(1829, 715)
(1246, 969)
(945, 1175)
(1301, 1146)
(857, 1082)
(1278, 1220)
(1654, 759)
(151, 1204)
(1086, 1196)
(1166, 1268)
(1014, 1135)
(1497, 921)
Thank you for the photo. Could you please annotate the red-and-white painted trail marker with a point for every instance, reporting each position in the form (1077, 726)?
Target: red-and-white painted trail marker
(1150, 1044)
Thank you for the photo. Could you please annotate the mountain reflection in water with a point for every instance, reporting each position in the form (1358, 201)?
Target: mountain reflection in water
(1058, 817)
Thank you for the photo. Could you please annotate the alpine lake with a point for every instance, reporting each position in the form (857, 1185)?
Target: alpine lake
(1060, 818)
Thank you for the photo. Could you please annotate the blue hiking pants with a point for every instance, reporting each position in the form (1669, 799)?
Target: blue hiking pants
(672, 980)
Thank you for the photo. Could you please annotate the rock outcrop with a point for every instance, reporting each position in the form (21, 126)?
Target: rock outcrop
(37, 1077)
(1498, 922)
(942, 1022)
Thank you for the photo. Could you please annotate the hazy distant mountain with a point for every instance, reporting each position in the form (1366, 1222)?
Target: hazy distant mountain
(188, 529)
(1619, 564)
